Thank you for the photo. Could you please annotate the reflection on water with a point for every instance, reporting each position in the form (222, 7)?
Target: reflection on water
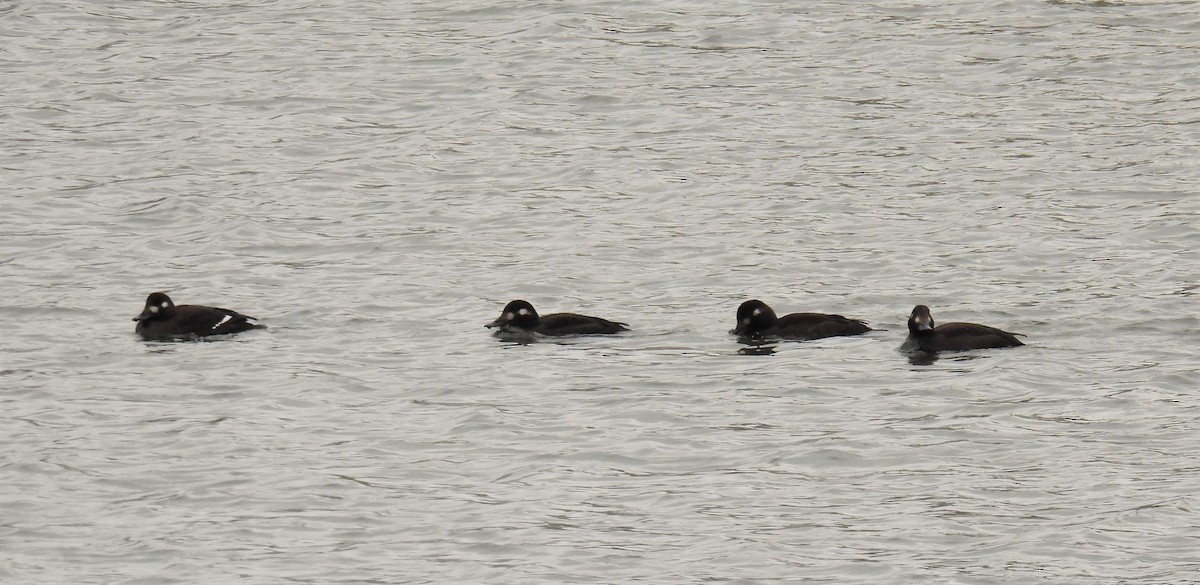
(758, 349)
(516, 336)
(917, 357)
(523, 337)
(755, 345)
(926, 358)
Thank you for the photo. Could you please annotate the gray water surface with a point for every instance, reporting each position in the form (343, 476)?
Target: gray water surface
(374, 181)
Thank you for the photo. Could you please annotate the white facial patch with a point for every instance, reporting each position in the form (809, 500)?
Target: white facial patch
(757, 312)
(164, 304)
(153, 309)
(524, 312)
(509, 316)
(223, 321)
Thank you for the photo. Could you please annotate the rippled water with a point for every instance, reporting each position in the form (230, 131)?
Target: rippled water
(375, 180)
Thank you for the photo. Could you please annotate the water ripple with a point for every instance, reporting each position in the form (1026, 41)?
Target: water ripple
(376, 184)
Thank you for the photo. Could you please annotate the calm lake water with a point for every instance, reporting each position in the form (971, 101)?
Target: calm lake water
(374, 181)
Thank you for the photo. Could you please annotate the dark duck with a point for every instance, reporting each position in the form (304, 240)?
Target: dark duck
(756, 320)
(923, 335)
(520, 317)
(163, 320)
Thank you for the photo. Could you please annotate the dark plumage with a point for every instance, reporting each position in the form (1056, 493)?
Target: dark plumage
(520, 316)
(924, 336)
(162, 320)
(756, 319)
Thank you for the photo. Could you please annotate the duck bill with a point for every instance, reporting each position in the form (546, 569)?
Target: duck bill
(497, 323)
(145, 314)
(743, 328)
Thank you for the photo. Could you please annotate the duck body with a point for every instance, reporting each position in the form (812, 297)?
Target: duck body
(923, 335)
(520, 317)
(757, 320)
(163, 320)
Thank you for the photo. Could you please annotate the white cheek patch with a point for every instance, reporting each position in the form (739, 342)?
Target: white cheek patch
(509, 316)
(757, 312)
(523, 312)
(223, 321)
(164, 304)
(153, 309)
